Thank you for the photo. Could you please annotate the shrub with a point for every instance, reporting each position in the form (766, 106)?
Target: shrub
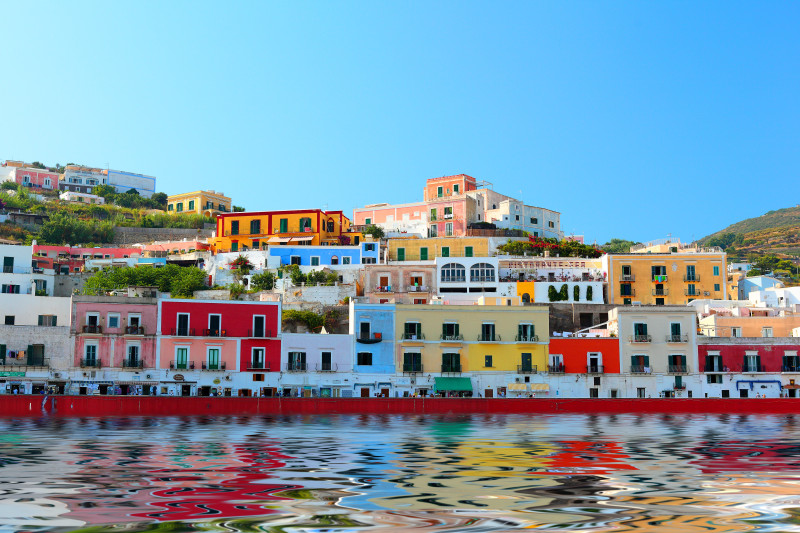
(576, 293)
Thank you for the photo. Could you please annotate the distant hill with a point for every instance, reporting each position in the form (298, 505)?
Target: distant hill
(775, 232)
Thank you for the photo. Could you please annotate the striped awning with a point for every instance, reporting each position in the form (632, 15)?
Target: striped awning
(516, 387)
(540, 387)
(303, 239)
(279, 239)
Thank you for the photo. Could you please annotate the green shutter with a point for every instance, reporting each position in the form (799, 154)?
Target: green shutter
(401, 254)
(423, 254)
(647, 361)
(468, 251)
(445, 251)
(683, 361)
(284, 225)
(41, 320)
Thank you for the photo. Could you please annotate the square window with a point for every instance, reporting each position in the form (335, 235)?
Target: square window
(345, 260)
(113, 320)
(364, 359)
(315, 261)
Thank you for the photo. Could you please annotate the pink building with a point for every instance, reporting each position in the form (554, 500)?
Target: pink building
(70, 259)
(30, 177)
(114, 332)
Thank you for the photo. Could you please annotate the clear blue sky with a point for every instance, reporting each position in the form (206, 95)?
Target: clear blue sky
(633, 120)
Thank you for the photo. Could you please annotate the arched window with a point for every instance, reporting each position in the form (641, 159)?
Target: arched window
(481, 272)
(454, 272)
(330, 226)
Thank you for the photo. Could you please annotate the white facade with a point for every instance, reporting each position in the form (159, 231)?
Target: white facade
(83, 178)
(81, 197)
(27, 308)
(467, 279)
(319, 361)
(124, 181)
(18, 276)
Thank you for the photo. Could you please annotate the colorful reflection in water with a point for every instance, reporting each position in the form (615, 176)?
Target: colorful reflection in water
(398, 473)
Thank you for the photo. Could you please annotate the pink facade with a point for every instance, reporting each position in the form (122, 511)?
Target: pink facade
(114, 332)
(386, 214)
(448, 186)
(36, 178)
(203, 353)
(181, 247)
(449, 217)
(77, 252)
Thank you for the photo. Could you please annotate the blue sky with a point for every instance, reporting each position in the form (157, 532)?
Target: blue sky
(634, 120)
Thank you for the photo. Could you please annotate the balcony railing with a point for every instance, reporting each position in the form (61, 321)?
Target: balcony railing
(526, 369)
(413, 336)
(715, 368)
(134, 330)
(451, 369)
(90, 363)
(383, 288)
(412, 368)
(182, 332)
(641, 338)
(682, 386)
(753, 368)
(677, 338)
(660, 292)
(489, 338)
(132, 363)
(296, 367)
(790, 368)
(691, 279)
(556, 369)
(93, 329)
(212, 366)
(692, 292)
(259, 334)
(417, 288)
(594, 369)
(215, 333)
(369, 338)
(677, 369)
(451, 337)
(526, 338)
(659, 278)
(627, 277)
(631, 291)
(181, 365)
(327, 367)
(258, 365)
(640, 369)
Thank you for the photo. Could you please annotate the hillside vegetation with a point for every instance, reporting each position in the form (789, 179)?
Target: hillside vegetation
(773, 233)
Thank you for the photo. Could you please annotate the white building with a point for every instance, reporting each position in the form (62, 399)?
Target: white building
(125, 181)
(81, 179)
(316, 362)
(81, 197)
(20, 276)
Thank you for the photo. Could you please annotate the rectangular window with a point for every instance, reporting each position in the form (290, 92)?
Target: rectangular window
(283, 225)
(448, 229)
(468, 251)
(401, 254)
(234, 246)
(433, 231)
(179, 207)
(364, 359)
(191, 205)
(439, 192)
(736, 332)
(766, 332)
(170, 207)
(451, 362)
(112, 321)
(423, 254)
(259, 322)
(325, 360)
(214, 325)
(182, 358)
(525, 333)
(294, 260)
(640, 332)
(368, 221)
(255, 227)
(641, 392)
(716, 287)
(257, 359)
(433, 214)
(487, 331)
(716, 271)
(315, 260)
(133, 356)
(487, 361)
(412, 331)
(90, 355)
(346, 260)
(305, 224)
(48, 320)
(183, 325)
(235, 227)
(450, 331)
(455, 188)
(690, 273)
(213, 359)
(412, 362)
(445, 251)
(448, 212)
(534, 220)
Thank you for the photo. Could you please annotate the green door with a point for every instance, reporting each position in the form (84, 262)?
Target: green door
(182, 359)
(401, 254)
(527, 363)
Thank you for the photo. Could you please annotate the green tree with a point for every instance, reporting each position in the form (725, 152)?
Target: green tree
(179, 281)
(618, 246)
(576, 293)
(160, 198)
(263, 282)
(106, 191)
(376, 231)
(237, 209)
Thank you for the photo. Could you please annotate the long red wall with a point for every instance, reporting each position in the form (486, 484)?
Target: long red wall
(28, 405)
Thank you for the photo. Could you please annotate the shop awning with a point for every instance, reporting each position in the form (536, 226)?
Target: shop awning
(791, 386)
(452, 384)
(278, 239)
(136, 382)
(517, 387)
(303, 239)
(540, 387)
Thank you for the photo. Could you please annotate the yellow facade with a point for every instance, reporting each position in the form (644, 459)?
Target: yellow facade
(479, 332)
(411, 249)
(243, 231)
(666, 278)
(208, 203)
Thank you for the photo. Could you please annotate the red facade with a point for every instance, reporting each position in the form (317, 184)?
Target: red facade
(577, 353)
(736, 357)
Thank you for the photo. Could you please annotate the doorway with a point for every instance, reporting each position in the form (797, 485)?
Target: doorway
(186, 390)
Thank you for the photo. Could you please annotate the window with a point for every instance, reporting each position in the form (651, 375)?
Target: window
(283, 225)
(90, 355)
(534, 220)
(433, 231)
(10, 289)
(170, 207)
(315, 260)
(9, 320)
(448, 229)
(259, 322)
(133, 356)
(325, 359)
(235, 227)
(191, 205)
(183, 325)
(214, 325)
(346, 260)
(255, 227)
(716, 287)
(468, 251)
(181, 358)
(487, 361)
(641, 392)
(257, 359)
(487, 331)
(640, 364)
(412, 362)
(450, 331)
(48, 320)
(640, 332)
(212, 359)
(551, 224)
(675, 332)
(331, 226)
(752, 362)
(454, 273)
(451, 362)
(134, 320)
(448, 212)
(305, 224)
(334, 260)
(294, 260)
(445, 251)
(625, 289)
(112, 321)
(516, 218)
(423, 254)
(369, 247)
(481, 272)
(433, 214)
(525, 333)
(401, 254)
(716, 271)
(455, 188)
(368, 221)
(714, 379)
(179, 207)
(766, 332)
(736, 332)
(439, 192)
(690, 273)
(364, 359)
(412, 331)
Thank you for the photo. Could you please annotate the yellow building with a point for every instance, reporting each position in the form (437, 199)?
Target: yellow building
(674, 274)
(416, 249)
(499, 343)
(258, 229)
(208, 203)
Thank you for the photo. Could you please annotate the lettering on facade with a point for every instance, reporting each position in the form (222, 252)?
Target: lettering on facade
(549, 263)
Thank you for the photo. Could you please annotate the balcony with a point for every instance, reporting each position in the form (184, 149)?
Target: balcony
(594, 369)
(451, 369)
(370, 339)
(413, 336)
(640, 369)
(90, 363)
(659, 278)
(677, 338)
(451, 338)
(489, 338)
(556, 369)
(629, 292)
(526, 338)
(715, 368)
(181, 365)
(182, 332)
(259, 334)
(215, 333)
(677, 369)
(790, 368)
(682, 386)
(417, 288)
(132, 363)
(134, 330)
(627, 278)
(327, 367)
(641, 338)
(692, 291)
(412, 368)
(526, 369)
(660, 292)
(691, 279)
(751, 369)
(258, 365)
(296, 367)
(93, 329)
(383, 288)
(212, 366)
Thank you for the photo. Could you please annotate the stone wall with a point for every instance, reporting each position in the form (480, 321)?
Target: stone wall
(126, 235)
(567, 317)
(56, 340)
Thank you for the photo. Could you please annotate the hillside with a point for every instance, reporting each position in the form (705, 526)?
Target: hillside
(775, 232)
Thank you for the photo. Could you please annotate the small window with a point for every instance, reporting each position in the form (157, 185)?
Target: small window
(487, 361)
(283, 225)
(346, 260)
(364, 359)
(191, 205)
(445, 251)
(234, 227)
(368, 221)
(401, 254)
(716, 287)
(255, 227)
(455, 188)
(716, 272)
(468, 251)
(534, 220)
(315, 260)
(423, 254)
(439, 192)
(179, 207)
(113, 320)
(48, 320)
(295, 260)
(9, 320)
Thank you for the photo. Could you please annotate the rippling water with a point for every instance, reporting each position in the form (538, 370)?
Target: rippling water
(398, 473)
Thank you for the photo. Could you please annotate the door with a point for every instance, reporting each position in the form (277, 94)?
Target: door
(213, 358)
(183, 324)
(363, 330)
(8, 265)
(214, 322)
(594, 363)
(258, 326)
(488, 393)
(364, 392)
(384, 393)
(186, 390)
(527, 363)
(182, 358)
(133, 356)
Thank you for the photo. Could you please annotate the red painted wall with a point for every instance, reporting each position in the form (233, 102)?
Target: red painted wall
(237, 317)
(575, 352)
(272, 354)
(733, 354)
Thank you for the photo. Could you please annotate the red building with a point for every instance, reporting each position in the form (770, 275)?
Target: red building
(580, 355)
(749, 355)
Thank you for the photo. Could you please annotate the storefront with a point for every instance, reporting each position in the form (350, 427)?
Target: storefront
(453, 387)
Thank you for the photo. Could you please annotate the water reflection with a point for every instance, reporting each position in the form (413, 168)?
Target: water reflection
(481, 473)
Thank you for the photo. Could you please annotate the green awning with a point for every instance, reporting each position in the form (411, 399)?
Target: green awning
(452, 384)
